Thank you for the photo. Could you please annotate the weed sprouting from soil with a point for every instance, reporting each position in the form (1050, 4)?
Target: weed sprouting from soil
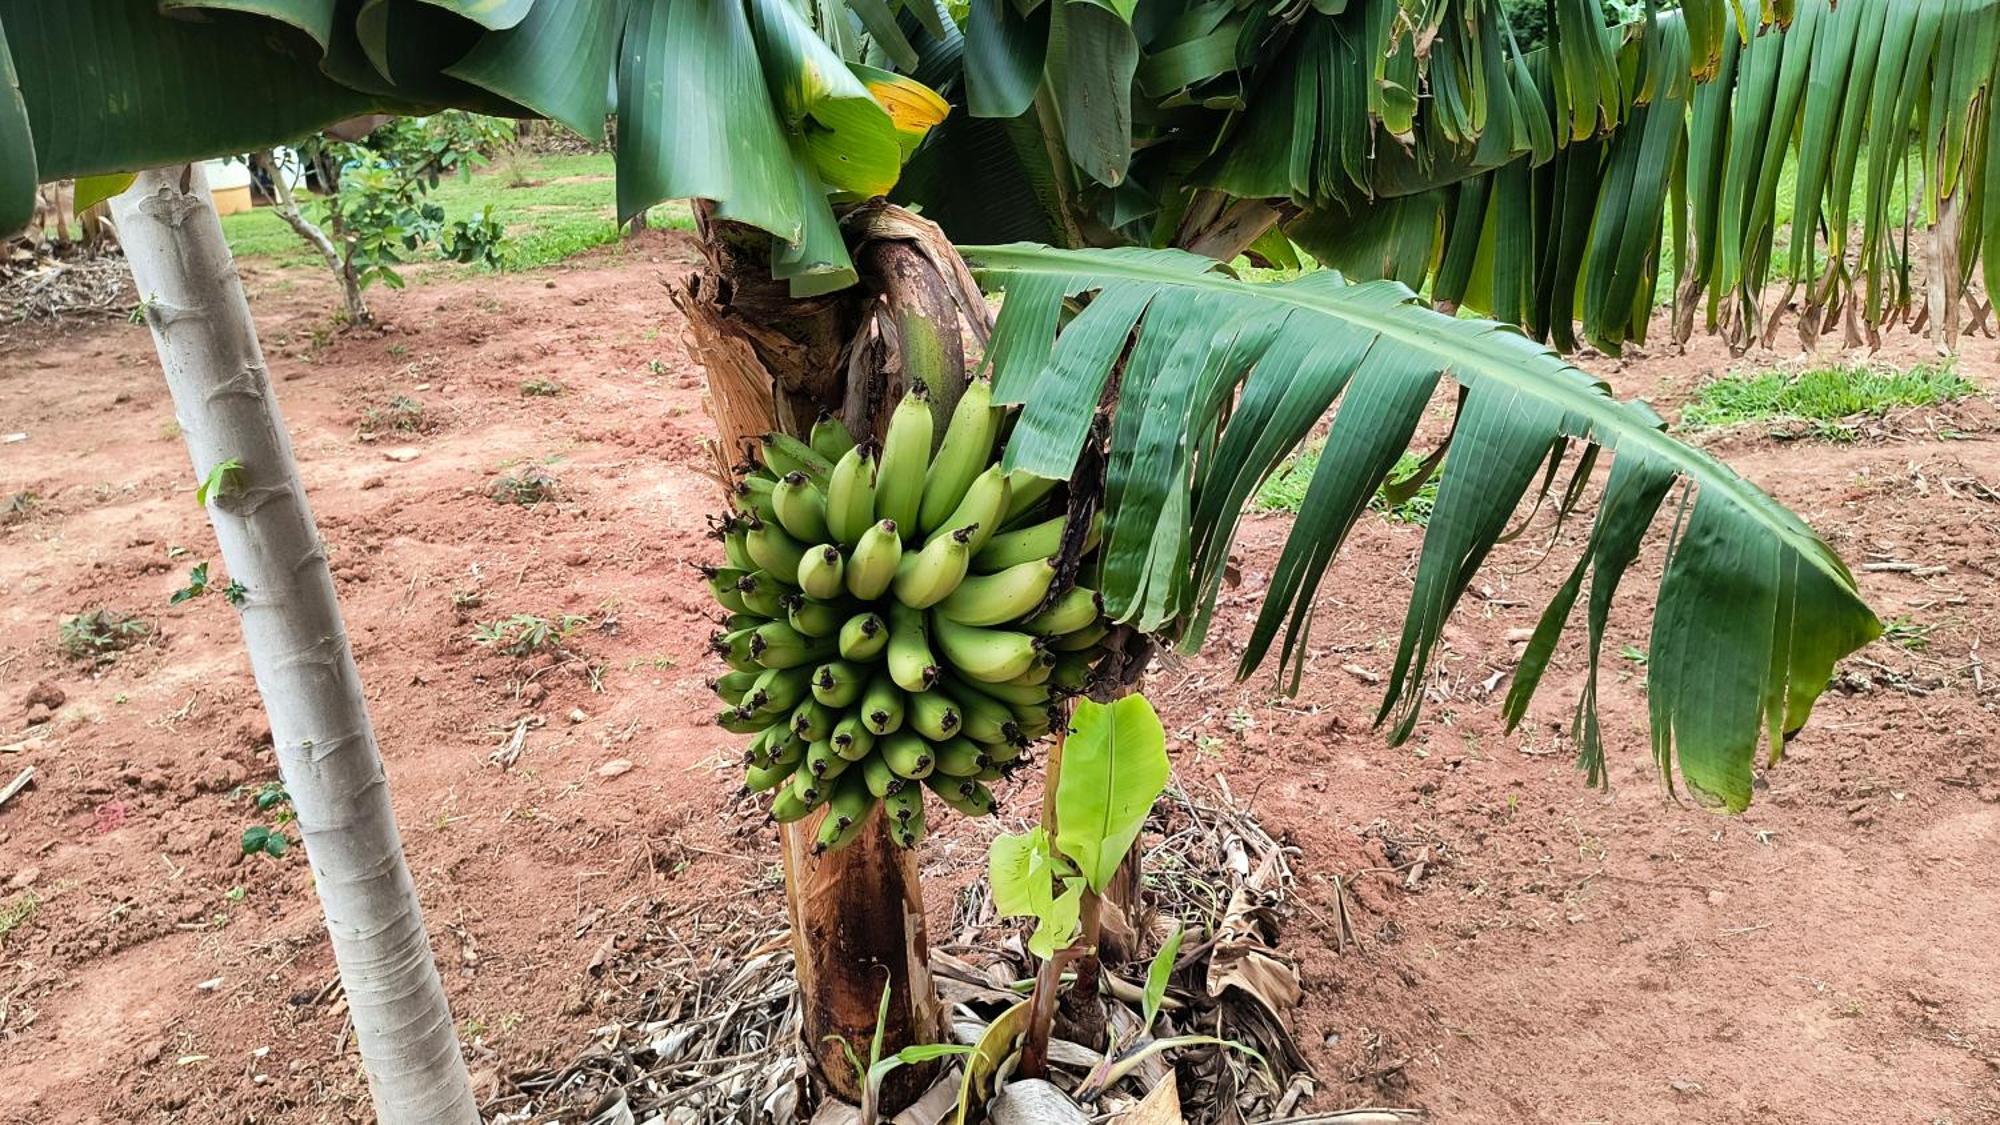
(528, 487)
(402, 415)
(541, 388)
(1822, 396)
(525, 634)
(99, 634)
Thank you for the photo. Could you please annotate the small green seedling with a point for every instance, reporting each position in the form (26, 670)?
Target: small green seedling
(220, 481)
(525, 634)
(198, 584)
(98, 633)
(272, 801)
(529, 487)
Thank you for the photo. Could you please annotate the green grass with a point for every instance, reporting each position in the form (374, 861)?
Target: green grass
(567, 207)
(1285, 489)
(1821, 395)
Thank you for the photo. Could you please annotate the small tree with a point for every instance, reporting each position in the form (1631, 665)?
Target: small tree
(378, 213)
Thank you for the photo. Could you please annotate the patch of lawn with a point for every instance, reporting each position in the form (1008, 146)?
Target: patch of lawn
(563, 206)
(1821, 395)
(1285, 489)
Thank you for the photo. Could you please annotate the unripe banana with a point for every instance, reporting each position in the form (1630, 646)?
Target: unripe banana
(987, 655)
(814, 618)
(981, 717)
(852, 739)
(762, 594)
(722, 585)
(1014, 695)
(783, 453)
(1072, 671)
(846, 812)
(925, 578)
(801, 508)
(830, 438)
(839, 683)
(908, 755)
(906, 455)
(981, 509)
(850, 495)
(880, 779)
(1001, 753)
(775, 644)
(990, 773)
(761, 779)
(863, 637)
(1034, 722)
(731, 531)
(1073, 609)
(933, 715)
(1037, 673)
(966, 451)
(963, 793)
(813, 720)
(757, 752)
(787, 748)
(822, 572)
(772, 549)
(752, 497)
(1024, 491)
(735, 649)
(737, 721)
(905, 809)
(959, 757)
(1033, 541)
(910, 662)
(992, 599)
(1080, 639)
(872, 565)
(882, 706)
(823, 762)
(737, 621)
(787, 805)
(779, 690)
(732, 684)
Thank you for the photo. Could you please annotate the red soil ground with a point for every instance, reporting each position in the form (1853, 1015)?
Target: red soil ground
(1560, 954)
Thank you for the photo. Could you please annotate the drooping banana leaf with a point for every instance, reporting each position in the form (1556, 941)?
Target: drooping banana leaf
(1221, 379)
(17, 173)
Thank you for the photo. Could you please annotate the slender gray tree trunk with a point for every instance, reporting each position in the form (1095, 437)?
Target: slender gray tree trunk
(193, 301)
(287, 206)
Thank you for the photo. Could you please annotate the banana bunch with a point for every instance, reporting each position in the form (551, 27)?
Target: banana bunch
(894, 621)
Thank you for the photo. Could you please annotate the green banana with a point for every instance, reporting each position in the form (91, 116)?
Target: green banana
(773, 549)
(908, 755)
(871, 567)
(823, 761)
(737, 621)
(752, 497)
(830, 438)
(906, 455)
(966, 451)
(981, 509)
(863, 637)
(852, 739)
(981, 717)
(760, 779)
(762, 594)
(787, 806)
(933, 715)
(809, 788)
(775, 644)
(910, 662)
(926, 577)
(846, 812)
(850, 495)
(987, 655)
(783, 453)
(722, 585)
(813, 720)
(815, 618)
(960, 757)
(882, 706)
(1034, 541)
(1037, 673)
(962, 793)
(1072, 671)
(1034, 722)
(838, 683)
(1014, 695)
(990, 773)
(1073, 609)
(778, 690)
(735, 649)
(732, 685)
(790, 749)
(991, 599)
(821, 573)
(737, 721)
(1001, 753)
(1024, 491)
(880, 779)
(757, 752)
(906, 815)
(1079, 639)
(801, 508)
(730, 530)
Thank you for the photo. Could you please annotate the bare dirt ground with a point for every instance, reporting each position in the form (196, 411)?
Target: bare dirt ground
(1525, 949)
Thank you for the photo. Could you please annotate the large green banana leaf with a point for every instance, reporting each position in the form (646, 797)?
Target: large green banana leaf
(1220, 379)
(737, 101)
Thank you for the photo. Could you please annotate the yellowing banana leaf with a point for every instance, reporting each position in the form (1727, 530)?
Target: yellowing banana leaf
(92, 190)
(914, 108)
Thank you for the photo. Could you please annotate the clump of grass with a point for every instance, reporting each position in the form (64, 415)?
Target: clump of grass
(17, 912)
(1907, 632)
(1285, 489)
(541, 388)
(99, 634)
(403, 415)
(1822, 396)
(525, 634)
(529, 487)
